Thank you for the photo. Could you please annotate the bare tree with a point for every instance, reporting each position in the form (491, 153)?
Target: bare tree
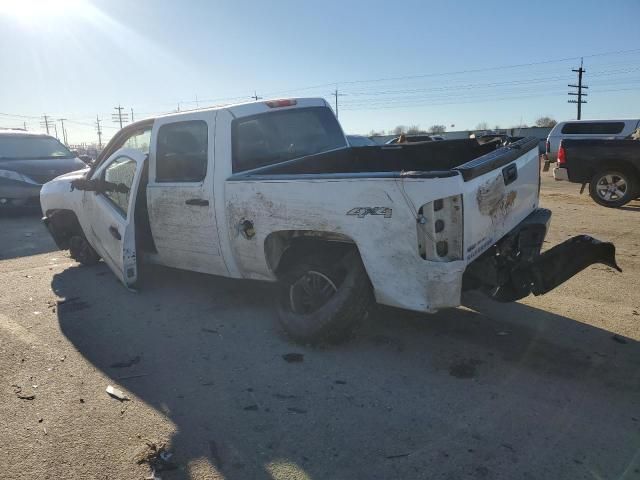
(482, 126)
(373, 133)
(545, 122)
(433, 129)
(399, 130)
(414, 130)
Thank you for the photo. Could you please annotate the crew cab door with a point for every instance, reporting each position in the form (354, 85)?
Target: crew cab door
(180, 194)
(110, 213)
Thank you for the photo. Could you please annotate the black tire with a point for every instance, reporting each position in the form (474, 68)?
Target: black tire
(82, 252)
(333, 317)
(613, 177)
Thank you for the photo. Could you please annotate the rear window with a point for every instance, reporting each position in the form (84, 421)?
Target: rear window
(274, 137)
(25, 147)
(593, 128)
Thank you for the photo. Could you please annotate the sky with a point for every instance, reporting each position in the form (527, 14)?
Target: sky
(403, 63)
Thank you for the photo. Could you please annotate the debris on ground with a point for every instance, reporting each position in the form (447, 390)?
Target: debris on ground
(502, 333)
(464, 368)
(117, 394)
(296, 410)
(293, 357)
(129, 377)
(398, 455)
(156, 455)
(126, 363)
(618, 339)
(210, 330)
(21, 395)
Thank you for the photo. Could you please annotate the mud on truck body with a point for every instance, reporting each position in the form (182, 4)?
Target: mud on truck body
(272, 191)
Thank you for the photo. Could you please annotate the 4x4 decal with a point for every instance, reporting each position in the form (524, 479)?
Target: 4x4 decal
(362, 212)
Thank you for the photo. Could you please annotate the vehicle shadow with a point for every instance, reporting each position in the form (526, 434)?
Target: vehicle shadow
(22, 233)
(410, 393)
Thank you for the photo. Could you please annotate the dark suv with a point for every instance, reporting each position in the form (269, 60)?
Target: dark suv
(27, 160)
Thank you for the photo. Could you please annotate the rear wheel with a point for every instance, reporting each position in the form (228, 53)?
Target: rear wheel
(82, 252)
(322, 299)
(613, 187)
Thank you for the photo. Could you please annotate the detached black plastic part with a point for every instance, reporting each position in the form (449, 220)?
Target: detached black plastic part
(556, 266)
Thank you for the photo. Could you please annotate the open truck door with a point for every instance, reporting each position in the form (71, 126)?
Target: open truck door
(110, 199)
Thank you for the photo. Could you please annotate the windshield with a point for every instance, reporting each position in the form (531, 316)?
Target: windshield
(273, 137)
(24, 147)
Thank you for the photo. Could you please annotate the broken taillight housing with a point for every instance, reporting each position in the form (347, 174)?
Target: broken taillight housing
(439, 228)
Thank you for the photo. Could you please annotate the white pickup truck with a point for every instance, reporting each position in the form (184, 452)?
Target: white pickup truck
(272, 191)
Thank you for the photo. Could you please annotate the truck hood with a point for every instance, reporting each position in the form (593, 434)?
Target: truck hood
(41, 170)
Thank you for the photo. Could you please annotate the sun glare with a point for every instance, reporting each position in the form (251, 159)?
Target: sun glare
(30, 11)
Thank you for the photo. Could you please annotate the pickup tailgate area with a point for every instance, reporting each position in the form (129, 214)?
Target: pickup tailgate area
(500, 190)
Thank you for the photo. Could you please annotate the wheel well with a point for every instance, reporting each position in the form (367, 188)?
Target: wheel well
(616, 164)
(283, 249)
(63, 224)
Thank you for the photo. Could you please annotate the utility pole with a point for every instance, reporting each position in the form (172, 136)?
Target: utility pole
(131, 114)
(25, 126)
(55, 129)
(46, 123)
(255, 96)
(64, 132)
(119, 117)
(336, 94)
(579, 93)
(99, 132)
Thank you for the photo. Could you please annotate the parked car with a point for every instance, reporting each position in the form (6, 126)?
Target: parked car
(611, 168)
(360, 141)
(410, 139)
(27, 160)
(438, 138)
(271, 191)
(587, 129)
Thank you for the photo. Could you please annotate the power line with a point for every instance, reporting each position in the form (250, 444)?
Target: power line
(119, 117)
(47, 123)
(579, 93)
(99, 131)
(336, 94)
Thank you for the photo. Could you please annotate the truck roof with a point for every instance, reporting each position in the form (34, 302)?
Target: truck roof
(254, 107)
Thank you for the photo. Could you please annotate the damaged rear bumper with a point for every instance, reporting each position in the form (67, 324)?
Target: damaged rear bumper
(514, 267)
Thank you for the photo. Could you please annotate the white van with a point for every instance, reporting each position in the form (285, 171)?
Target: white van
(581, 129)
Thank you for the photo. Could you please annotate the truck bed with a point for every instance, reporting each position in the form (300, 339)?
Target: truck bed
(426, 160)
(585, 157)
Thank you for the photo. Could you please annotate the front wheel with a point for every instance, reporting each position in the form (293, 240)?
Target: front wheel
(322, 300)
(613, 187)
(82, 252)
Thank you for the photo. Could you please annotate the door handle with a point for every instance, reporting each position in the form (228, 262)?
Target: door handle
(115, 233)
(200, 202)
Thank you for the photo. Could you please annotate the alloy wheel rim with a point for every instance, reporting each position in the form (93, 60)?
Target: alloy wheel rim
(611, 187)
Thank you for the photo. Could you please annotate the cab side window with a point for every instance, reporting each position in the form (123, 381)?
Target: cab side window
(181, 154)
(121, 171)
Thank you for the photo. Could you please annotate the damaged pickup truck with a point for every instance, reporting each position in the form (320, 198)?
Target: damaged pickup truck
(272, 191)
